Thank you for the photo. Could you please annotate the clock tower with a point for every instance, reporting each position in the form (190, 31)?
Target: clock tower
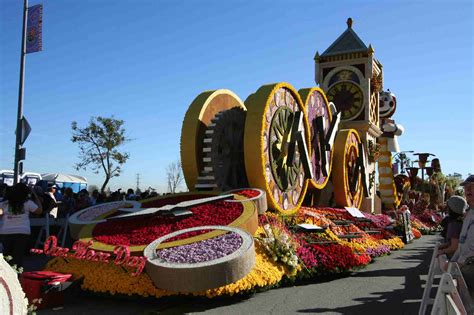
(351, 77)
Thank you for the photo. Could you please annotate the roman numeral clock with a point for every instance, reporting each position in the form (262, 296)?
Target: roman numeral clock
(348, 98)
(352, 78)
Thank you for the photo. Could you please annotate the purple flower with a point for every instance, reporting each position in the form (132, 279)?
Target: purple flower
(206, 250)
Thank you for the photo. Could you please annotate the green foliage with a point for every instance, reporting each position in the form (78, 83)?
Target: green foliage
(438, 178)
(98, 144)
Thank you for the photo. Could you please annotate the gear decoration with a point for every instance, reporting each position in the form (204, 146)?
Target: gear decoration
(223, 150)
(286, 145)
(322, 124)
(197, 120)
(275, 162)
(349, 169)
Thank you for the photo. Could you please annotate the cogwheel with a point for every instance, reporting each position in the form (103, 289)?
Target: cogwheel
(223, 154)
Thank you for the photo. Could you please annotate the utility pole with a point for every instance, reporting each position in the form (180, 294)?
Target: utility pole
(18, 151)
(138, 183)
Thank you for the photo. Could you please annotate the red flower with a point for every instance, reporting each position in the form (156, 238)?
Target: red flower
(142, 231)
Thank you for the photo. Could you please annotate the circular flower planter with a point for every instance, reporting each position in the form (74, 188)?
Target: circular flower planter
(96, 214)
(137, 233)
(257, 196)
(202, 265)
(12, 297)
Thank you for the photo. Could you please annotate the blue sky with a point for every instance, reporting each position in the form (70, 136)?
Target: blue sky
(145, 61)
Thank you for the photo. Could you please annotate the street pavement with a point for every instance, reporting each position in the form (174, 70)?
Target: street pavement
(390, 285)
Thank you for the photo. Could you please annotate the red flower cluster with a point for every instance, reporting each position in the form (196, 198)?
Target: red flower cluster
(416, 233)
(429, 218)
(379, 220)
(143, 231)
(330, 258)
(249, 193)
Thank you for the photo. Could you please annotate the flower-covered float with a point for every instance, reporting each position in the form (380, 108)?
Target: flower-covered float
(223, 238)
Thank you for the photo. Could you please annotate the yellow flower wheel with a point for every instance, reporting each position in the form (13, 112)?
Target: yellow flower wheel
(348, 186)
(316, 105)
(271, 112)
(198, 118)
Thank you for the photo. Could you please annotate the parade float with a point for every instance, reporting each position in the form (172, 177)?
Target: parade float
(281, 186)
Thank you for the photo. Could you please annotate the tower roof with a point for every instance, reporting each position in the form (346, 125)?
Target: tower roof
(347, 42)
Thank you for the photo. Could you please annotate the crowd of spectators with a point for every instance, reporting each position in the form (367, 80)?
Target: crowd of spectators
(20, 202)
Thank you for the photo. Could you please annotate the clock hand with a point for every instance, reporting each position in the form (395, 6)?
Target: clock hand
(304, 155)
(318, 124)
(171, 208)
(333, 128)
(359, 169)
(297, 137)
(362, 164)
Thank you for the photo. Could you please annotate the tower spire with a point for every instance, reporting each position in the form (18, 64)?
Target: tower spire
(349, 23)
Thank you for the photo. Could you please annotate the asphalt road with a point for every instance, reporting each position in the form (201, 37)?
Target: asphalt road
(391, 285)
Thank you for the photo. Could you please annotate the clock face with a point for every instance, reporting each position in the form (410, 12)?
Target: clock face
(348, 98)
(348, 173)
(280, 163)
(319, 118)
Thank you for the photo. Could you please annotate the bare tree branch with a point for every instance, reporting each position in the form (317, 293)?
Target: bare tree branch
(174, 175)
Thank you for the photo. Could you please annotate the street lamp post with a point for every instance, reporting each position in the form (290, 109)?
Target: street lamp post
(422, 160)
(402, 158)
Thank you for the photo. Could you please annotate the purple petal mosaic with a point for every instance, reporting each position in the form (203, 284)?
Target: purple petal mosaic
(202, 251)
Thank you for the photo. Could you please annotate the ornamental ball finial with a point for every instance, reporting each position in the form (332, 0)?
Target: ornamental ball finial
(349, 22)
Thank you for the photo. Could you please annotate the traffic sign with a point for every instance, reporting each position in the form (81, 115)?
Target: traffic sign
(25, 130)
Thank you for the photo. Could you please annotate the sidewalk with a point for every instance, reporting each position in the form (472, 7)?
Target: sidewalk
(391, 285)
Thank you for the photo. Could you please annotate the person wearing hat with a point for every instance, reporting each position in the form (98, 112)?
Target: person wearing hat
(53, 207)
(464, 255)
(456, 206)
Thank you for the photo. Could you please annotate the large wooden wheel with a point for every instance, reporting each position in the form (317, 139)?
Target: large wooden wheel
(347, 178)
(269, 130)
(318, 113)
(197, 138)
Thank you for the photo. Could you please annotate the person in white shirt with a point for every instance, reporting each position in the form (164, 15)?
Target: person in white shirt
(15, 221)
(54, 210)
(464, 255)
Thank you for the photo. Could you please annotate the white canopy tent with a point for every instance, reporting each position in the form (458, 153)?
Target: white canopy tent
(75, 182)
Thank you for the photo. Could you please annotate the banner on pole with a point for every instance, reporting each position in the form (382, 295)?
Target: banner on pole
(34, 30)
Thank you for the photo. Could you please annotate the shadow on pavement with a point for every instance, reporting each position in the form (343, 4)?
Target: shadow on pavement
(399, 301)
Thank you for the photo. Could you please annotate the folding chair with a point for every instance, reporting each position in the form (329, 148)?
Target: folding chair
(44, 231)
(447, 300)
(434, 269)
(63, 230)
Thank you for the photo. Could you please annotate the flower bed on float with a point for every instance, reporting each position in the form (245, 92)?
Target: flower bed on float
(281, 250)
(139, 232)
(202, 265)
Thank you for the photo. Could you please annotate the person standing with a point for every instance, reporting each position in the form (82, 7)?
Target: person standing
(68, 205)
(464, 255)
(456, 206)
(54, 206)
(15, 221)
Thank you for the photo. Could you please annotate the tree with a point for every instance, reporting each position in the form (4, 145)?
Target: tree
(98, 145)
(174, 173)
